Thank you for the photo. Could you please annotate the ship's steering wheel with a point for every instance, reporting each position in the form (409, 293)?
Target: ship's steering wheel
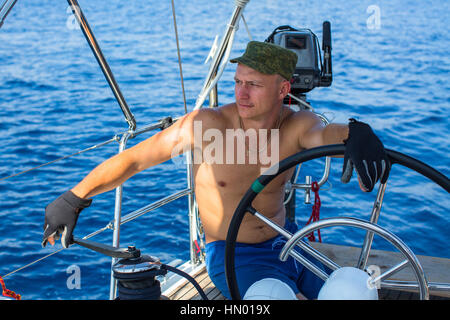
(296, 239)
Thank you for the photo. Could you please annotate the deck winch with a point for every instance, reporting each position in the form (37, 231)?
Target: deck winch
(135, 273)
(136, 277)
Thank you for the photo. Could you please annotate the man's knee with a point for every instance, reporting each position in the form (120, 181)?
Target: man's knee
(269, 289)
(348, 283)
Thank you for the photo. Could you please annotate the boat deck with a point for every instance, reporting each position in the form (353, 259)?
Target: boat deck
(188, 292)
(436, 270)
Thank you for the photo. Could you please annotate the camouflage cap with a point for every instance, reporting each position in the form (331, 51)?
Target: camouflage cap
(269, 58)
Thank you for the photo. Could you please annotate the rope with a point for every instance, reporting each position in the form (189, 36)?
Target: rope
(246, 27)
(201, 98)
(9, 293)
(150, 292)
(31, 263)
(115, 138)
(315, 214)
(198, 250)
(108, 226)
(179, 55)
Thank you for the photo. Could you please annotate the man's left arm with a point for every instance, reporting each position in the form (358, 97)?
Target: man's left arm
(364, 150)
(334, 133)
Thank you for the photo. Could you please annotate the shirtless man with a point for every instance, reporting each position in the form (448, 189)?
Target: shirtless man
(261, 82)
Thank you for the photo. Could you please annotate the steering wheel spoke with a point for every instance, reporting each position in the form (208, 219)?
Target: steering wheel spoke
(365, 250)
(303, 245)
(388, 273)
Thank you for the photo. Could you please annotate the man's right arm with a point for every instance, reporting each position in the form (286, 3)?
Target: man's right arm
(61, 215)
(152, 151)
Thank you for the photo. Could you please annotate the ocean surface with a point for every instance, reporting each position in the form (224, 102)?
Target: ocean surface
(391, 69)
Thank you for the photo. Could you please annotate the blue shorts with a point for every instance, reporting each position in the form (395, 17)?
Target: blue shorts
(254, 262)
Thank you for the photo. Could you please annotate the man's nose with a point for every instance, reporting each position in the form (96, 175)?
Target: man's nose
(242, 91)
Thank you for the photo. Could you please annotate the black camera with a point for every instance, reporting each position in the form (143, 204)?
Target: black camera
(310, 71)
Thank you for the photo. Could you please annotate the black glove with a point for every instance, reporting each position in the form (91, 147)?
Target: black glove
(61, 217)
(366, 153)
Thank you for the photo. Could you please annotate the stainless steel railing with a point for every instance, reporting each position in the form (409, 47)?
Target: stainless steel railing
(5, 9)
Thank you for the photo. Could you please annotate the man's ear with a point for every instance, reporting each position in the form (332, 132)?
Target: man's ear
(285, 88)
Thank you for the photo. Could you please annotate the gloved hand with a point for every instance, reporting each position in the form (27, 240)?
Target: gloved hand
(366, 153)
(61, 217)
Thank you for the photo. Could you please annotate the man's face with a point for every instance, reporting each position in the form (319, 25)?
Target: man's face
(257, 94)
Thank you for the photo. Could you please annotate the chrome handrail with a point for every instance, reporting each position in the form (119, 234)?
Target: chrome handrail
(119, 220)
(117, 217)
(5, 9)
(90, 38)
(412, 285)
(365, 250)
(222, 52)
(308, 183)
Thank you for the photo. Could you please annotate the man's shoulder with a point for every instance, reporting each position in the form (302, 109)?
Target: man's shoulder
(215, 117)
(302, 118)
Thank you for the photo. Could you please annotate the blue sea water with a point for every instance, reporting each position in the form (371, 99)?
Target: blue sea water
(391, 69)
